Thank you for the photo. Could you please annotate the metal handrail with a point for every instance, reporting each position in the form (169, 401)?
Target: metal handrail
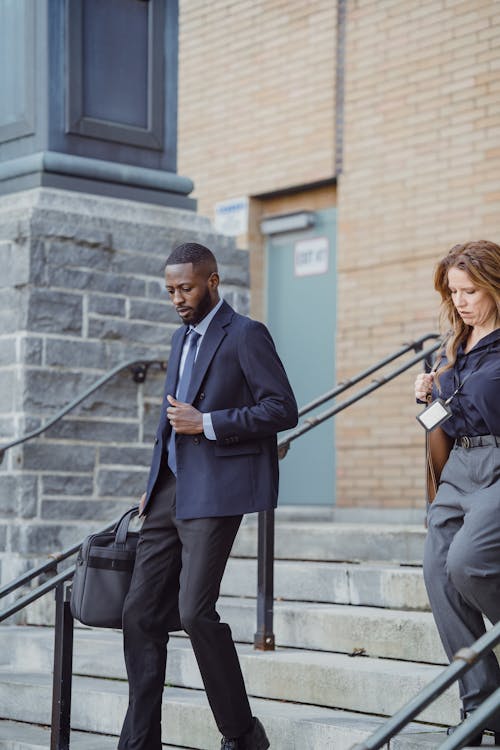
(139, 368)
(416, 346)
(284, 444)
(463, 660)
(474, 723)
(264, 639)
(40, 591)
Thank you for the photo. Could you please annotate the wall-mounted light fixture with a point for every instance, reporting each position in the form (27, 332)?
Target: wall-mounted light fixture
(292, 222)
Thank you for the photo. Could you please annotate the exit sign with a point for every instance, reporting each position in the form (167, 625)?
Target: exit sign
(311, 256)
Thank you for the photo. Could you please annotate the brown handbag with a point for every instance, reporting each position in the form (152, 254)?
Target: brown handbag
(438, 445)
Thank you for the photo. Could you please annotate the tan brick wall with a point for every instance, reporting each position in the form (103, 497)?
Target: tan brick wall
(421, 171)
(256, 84)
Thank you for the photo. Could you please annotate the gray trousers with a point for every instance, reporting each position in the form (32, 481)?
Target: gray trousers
(462, 562)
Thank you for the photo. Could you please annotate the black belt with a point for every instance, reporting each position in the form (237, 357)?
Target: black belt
(464, 441)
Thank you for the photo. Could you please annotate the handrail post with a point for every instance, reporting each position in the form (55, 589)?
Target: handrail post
(264, 637)
(63, 669)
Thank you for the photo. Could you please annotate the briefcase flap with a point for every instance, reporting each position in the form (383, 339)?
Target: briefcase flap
(109, 556)
(104, 545)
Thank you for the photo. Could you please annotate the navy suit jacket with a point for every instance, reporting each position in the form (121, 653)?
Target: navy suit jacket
(238, 378)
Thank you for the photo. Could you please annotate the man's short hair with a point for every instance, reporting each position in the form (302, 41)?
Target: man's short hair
(193, 252)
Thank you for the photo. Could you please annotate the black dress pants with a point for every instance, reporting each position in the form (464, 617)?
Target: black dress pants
(175, 585)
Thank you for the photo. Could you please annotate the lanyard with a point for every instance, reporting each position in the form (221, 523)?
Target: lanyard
(475, 369)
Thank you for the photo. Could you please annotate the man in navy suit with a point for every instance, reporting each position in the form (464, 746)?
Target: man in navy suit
(215, 458)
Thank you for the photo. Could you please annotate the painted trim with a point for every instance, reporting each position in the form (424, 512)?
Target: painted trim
(293, 189)
(96, 169)
(78, 122)
(25, 123)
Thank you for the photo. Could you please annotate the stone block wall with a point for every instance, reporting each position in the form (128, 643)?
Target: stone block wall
(81, 291)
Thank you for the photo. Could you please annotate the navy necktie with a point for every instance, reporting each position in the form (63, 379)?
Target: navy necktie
(182, 389)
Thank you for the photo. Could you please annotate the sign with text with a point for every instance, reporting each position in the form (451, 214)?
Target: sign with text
(231, 217)
(311, 256)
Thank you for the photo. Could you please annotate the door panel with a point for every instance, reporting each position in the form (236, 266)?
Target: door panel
(301, 286)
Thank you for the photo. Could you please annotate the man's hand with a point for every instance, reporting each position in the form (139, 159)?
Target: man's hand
(184, 418)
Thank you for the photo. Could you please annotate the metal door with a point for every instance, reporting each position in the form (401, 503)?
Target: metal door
(301, 313)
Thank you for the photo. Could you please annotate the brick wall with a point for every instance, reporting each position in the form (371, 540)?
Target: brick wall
(421, 171)
(256, 83)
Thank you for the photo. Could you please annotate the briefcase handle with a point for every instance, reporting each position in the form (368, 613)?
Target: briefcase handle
(121, 528)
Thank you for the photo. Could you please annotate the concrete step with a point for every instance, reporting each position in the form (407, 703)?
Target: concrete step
(375, 585)
(99, 706)
(353, 629)
(337, 542)
(383, 585)
(360, 515)
(392, 634)
(372, 631)
(386, 633)
(364, 684)
(20, 736)
(322, 561)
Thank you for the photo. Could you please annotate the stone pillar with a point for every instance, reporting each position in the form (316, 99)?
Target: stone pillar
(90, 206)
(89, 98)
(81, 290)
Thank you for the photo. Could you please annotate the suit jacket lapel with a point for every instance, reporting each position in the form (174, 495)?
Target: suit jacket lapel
(211, 341)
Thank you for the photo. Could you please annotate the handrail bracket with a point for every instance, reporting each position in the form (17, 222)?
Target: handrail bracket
(468, 655)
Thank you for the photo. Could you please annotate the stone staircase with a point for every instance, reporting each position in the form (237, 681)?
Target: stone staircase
(355, 641)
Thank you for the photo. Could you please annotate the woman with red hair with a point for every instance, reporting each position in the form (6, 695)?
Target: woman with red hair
(462, 550)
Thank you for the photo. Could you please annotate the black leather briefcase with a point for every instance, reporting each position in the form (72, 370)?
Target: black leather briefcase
(103, 572)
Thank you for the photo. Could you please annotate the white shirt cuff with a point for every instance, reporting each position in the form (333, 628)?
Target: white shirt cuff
(208, 429)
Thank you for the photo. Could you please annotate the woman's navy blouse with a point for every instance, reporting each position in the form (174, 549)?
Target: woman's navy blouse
(476, 407)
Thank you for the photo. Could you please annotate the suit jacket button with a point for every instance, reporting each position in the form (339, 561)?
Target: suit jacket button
(201, 396)
(196, 440)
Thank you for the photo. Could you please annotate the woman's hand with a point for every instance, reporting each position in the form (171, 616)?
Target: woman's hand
(423, 386)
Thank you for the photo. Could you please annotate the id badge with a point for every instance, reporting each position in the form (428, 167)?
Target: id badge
(434, 414)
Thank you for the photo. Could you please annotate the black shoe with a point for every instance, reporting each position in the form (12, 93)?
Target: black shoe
(477, 739)
(473, 742)
(254, 739)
